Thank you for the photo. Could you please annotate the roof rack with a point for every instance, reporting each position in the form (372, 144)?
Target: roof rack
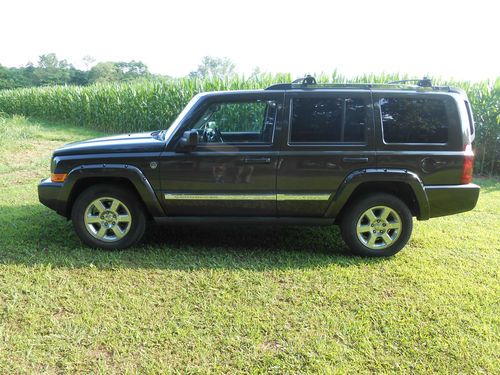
(309, 82)
(424, 82)
(293, 85)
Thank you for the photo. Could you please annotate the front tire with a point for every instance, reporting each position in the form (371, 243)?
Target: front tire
(378, 225)
(108, 217)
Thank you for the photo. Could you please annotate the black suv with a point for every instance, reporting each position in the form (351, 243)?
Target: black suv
(366, 157)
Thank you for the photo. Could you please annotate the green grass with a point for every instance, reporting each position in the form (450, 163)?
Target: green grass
(261, 299)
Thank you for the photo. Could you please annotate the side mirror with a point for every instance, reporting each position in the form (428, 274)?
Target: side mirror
(188, 141)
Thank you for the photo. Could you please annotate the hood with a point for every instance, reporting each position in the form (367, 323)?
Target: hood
(138, 142)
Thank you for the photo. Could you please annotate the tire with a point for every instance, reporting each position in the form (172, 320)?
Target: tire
(119, 209)
(378, 225)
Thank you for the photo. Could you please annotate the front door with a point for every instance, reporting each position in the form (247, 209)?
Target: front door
(232, 172)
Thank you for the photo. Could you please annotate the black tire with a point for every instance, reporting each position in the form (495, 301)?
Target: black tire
(129, 201)
(355, 213)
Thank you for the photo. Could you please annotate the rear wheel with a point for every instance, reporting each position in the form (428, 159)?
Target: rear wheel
(108, 217)
(377, 225)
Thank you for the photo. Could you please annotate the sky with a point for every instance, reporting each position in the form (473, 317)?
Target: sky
(448, 39)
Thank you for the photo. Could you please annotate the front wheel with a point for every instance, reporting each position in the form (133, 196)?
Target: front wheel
(377, 225)
(108, 217)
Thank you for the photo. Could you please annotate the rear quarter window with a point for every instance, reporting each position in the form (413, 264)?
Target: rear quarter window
(414, 120)
(469, 115)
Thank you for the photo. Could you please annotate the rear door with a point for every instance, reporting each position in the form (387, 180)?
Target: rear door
(329, 135)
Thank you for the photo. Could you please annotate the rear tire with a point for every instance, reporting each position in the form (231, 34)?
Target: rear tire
(108, 217)
(378, 225)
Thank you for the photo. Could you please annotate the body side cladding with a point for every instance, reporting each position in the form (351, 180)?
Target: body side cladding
(129, 172)
(356, 178)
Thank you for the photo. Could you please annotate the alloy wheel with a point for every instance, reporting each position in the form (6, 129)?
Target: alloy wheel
(378, 227)
(107, 219)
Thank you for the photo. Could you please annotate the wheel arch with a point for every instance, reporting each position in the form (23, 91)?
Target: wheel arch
(403, 184)
(126, 176)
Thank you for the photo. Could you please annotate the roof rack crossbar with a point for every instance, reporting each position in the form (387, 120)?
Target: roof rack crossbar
(424, 82)
(307, 80)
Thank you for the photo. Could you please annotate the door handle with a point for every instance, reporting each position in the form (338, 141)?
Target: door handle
(256, 160)
(355, 160)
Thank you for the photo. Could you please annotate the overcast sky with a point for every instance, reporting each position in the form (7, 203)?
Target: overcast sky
(450, 39)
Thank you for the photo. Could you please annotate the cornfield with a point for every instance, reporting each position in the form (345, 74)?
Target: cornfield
(154, 104)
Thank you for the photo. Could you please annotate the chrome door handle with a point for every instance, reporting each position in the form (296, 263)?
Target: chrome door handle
(355, 160)
(255, 160)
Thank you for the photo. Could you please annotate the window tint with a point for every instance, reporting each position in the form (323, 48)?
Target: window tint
(411, 120)
(469, 114)
(237, 122)
(326, 120)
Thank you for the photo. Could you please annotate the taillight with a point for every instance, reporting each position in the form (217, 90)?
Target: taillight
(468, 165)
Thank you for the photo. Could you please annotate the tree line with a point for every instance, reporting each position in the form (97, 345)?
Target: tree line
(50, 71)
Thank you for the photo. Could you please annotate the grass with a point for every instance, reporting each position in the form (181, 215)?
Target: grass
(232, 299)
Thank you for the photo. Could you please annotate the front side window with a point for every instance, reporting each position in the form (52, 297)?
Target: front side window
(328, 120)
(238, 122)
(413, 120)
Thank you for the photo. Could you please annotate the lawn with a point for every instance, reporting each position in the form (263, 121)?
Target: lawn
(235, 299)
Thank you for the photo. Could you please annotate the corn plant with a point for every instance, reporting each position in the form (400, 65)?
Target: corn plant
(153, 104)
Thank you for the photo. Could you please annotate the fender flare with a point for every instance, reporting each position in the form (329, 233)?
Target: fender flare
(358, 177)
(129, 172)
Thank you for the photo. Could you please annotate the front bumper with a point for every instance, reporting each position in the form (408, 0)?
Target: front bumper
(451, 199)
(49, 195)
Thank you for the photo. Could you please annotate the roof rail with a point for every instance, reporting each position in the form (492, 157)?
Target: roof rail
(309, 82)
(280, 86)
(289, 86)
(424, 82)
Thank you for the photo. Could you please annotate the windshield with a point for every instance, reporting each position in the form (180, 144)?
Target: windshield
(168, 133)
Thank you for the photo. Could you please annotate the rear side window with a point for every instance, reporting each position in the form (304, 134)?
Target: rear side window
(328, 120)
(412, 120)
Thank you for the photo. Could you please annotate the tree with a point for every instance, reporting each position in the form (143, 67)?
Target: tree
(133, 69)
(88, 61)
(104, 72)
(50, 61)
(214, 67)
(6, 79)
(78, 77)
(52, 71)
(118, 71)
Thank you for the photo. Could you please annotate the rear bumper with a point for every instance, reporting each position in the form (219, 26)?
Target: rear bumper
(451, 199)
(49, 195)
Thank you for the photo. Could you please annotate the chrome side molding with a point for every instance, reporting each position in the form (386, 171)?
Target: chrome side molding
(221, 197)
(248, 197)
(302, 197)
